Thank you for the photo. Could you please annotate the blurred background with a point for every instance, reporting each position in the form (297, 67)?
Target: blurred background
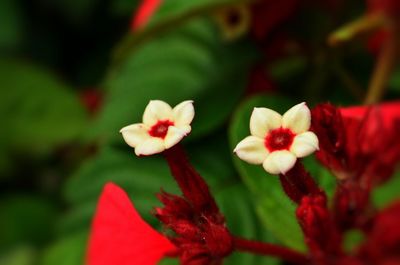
(73, 72)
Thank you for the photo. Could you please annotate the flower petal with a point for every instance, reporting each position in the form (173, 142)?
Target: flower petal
(173, 136)
(252, 150)
(120, 236)
(135, 134)
(279, 162)
(186, 129)
(298, 118)
(304, 144)
(151, 146)
(183, 113)
(155, 111)
(263, 120)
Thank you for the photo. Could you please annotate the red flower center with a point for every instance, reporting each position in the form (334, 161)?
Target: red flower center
(160, 129)
(279, 139)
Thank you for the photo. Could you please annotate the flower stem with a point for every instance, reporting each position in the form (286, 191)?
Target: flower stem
(383, 68)
(297, 183)
(192, 185)
(267, 249)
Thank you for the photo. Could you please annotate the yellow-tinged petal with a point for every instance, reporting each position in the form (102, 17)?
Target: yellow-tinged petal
(155, 111)
(279, 162)
(263, 120)
(252, 150)
(297, 119)
(151, 146)
(183, 113)
(135, 134)
(173, 136)
(304, 144)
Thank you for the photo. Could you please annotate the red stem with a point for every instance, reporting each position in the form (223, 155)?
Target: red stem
(192, 185)
(267, 249)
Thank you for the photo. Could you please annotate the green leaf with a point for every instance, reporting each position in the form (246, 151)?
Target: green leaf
(23, 255)
(11, 30)
(67, 251)
(235, 203)
(213, 161)
(25, 219)
(287, 68)
(37, 110)
(190, 63)
(78, 12)
(388, 192)
(141, 178)
(394, 82)
(170, 15)
(179, 9)
(273, 206)
(124, 7)
(353, 239)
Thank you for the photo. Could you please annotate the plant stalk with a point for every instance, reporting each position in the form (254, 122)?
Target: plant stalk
(272, 250)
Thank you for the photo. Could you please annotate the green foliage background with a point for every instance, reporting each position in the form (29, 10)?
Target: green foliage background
(55, 156)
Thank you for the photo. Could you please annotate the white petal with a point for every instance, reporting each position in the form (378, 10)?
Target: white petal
(135, 134)
(279, 162)
(186, 129)
(298, 118)
(183, 113)
(155, 111)
(151, 146)
(263, 120)
(252, 150)
(304, 144)
(173, 136)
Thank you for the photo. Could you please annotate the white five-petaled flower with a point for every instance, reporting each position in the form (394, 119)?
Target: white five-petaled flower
(277, 141)
(162, 127)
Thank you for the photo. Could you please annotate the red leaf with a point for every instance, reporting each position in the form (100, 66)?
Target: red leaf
(120, 236)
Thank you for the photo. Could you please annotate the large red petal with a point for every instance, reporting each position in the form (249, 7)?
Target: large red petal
(120, 236)
(389, 112)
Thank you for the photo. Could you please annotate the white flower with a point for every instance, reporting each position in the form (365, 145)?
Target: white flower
(277, 141)
(162, 127)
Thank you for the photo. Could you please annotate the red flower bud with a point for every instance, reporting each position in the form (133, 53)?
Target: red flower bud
(319, 230)
(383, 244)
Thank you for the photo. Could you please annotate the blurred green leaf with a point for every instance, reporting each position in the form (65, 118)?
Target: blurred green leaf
(142, 178)
(124, 7)
(325, 179)
(394, 82)
(213, 161)
(67, 251)
(287, 68)
(170, 15)
(23, 255)
(273, 206)
(11, 30)
(353, 239)
(75, 11)
(235, 203)
(25, 219)
(190, 63)
(37, 110)
(178, 9)
(388, 192)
